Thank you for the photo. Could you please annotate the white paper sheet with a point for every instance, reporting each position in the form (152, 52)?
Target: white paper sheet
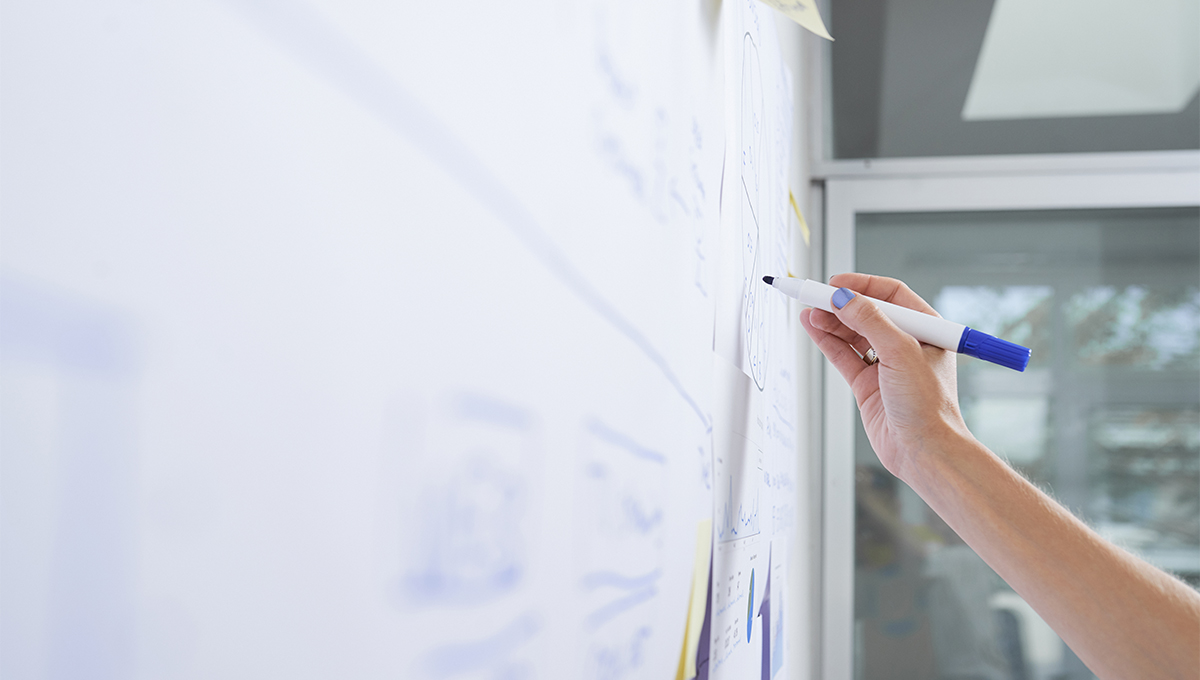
(754, 459)
(754, 196)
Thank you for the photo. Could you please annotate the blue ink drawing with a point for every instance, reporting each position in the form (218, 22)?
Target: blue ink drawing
(750, 608)
(739, 523)
(470, 533)
(314, 41)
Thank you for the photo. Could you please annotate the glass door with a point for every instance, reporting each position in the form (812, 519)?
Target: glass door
(1106, 419)
(1100, 275)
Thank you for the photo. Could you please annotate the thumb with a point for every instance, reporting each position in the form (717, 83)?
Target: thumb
(860, 314)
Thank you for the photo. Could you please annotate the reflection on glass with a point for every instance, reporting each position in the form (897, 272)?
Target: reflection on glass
(1136, 326)
(1146, 462)
(1016, 313)
(1106, 419)
(1016, 426)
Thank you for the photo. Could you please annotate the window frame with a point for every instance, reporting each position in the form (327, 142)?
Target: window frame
(958, 184)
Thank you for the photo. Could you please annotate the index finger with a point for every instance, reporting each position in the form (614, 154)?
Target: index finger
(894, 291)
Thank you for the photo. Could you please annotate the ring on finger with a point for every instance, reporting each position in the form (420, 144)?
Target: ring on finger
(870, 357)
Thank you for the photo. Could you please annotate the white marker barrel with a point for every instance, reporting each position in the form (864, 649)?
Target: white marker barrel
(931, 330)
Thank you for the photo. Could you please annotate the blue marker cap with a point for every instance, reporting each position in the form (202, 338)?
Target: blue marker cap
(993, 349)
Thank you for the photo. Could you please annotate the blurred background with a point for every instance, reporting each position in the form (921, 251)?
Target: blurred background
(1019, 104)
(1106, 418)
(941, 78)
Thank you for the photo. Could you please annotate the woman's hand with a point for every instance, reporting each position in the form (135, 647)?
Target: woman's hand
(1123, 617)
(909, 399)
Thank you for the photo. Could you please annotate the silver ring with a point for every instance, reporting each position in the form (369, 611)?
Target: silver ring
(870, 357)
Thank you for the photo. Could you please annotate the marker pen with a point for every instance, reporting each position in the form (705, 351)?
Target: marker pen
(929, 329)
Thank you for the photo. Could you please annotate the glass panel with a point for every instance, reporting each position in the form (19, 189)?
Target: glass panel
(950, 78)
(1135, 326)
(1106, 418)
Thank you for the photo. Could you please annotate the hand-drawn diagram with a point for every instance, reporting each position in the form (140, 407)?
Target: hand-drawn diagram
(470, 536)
(465, 532)
(657, 152)
(697, 197)
(735, 595)
(471, 521)
(738, 461)
(622, 524)
(754, 341)
(754, 423)
(749, 219)
(739, 530)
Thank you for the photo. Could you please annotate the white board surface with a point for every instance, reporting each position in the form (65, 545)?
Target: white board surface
(383, 340)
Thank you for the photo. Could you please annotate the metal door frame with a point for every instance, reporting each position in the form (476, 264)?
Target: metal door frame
(996, 183)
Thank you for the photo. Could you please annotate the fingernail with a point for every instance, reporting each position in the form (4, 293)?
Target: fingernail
(841, 296)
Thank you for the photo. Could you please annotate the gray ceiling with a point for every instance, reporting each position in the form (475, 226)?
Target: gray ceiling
(901, 71)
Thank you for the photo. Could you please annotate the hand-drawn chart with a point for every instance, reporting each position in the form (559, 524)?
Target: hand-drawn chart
(737, 597)
(737, 516)
(741, 526)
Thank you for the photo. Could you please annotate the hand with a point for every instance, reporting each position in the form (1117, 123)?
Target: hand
(1123, 617)
(909, 399)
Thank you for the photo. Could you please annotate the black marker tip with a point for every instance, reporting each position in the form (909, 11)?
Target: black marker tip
(769, 280)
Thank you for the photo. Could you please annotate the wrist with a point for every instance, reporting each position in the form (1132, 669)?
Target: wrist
(940, 447)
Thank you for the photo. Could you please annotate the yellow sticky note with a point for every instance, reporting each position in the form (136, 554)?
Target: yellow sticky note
(803, 225)
(683, 653)
(803, 12)
(695, 616)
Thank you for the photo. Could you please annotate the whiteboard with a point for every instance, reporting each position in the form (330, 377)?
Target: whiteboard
(353, 339)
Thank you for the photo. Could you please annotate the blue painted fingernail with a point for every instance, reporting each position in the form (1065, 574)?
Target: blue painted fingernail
(841, 296)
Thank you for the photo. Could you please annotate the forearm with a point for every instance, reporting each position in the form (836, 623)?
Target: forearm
(1121, 616)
